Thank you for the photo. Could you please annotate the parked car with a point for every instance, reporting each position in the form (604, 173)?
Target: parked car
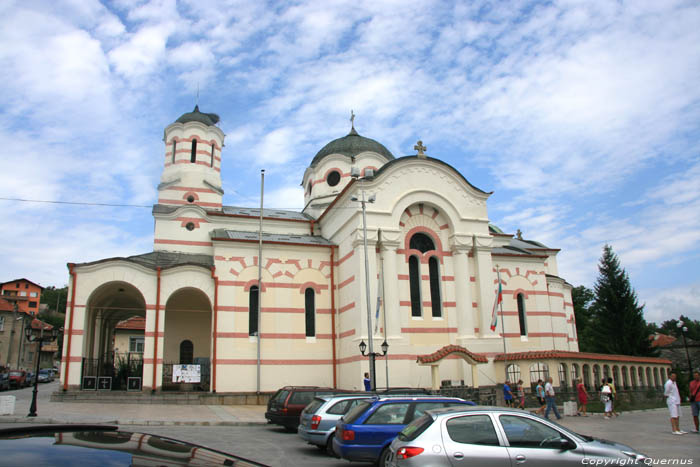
(104, 445)
(319, 418)
(4, 381)
(285, 406)
(365, 432)
(30, 378)
(44, 375)
(494, 436)
(18, 379)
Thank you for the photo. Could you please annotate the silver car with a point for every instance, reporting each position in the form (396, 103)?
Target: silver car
(494, 436)
(318, 419)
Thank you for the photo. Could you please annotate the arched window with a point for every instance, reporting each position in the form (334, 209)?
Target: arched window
(414, 284)
(596, 376)
(193, 155)
(616, 376)
(513, 373)
(212, 154)
(253, 301)
(421, 242)
(575, 374)
(625, 378)
(538, 371)
(174, 147)
(649, 381)
(606, 372)
(656, 377)
(563, 377)
(521, 314)
(310, 310)
(186, 352)
(434, 270)
(587, 376)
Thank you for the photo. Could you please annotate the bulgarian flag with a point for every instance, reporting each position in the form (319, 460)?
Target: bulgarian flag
(499, 299)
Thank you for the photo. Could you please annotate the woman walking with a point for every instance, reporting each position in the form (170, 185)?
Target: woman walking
(540, 397)
(582, 398)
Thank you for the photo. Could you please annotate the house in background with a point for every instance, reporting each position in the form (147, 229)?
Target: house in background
(15, 350)
(25, 293)
(129, 337)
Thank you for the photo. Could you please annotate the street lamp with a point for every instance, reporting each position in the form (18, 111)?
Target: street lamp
(41, 339)
(369, 173)
(683, 330)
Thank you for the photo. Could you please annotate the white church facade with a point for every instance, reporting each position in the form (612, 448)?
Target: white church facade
(432, 257)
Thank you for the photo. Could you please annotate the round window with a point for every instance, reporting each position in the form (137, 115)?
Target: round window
(190, 199)
(333, 178)
(190, 226)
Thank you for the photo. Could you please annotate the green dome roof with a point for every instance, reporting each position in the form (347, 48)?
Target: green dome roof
(197, 116)
(350, 146)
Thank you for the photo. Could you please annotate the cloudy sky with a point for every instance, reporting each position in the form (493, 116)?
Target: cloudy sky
(582, 117)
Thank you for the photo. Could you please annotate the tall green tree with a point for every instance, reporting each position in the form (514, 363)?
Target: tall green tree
(55, 298)
(671, 328)
(582, 298)
(619, 326)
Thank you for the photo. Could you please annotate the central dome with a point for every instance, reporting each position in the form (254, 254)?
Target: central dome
(208, 119)
(351, 145)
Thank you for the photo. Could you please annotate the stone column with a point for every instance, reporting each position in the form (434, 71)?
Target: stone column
(358, 246)
(475, 375)
(463, 295)
(485, 286)
(435, 376)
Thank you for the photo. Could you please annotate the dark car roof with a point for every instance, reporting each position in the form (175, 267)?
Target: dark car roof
(64, 445)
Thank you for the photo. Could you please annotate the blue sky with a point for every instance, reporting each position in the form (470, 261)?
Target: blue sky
(582, 117)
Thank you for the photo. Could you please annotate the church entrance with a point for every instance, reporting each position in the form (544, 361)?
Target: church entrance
(113, 347)
(187, 341)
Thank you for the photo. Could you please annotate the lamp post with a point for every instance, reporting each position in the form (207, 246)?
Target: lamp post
(683, 329)
(41, 339)
(372, 358)
(369, 173)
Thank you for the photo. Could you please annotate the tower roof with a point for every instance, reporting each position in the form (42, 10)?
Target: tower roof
(351, 145)
(210, 119)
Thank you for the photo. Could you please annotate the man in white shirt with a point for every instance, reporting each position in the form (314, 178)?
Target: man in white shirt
(673, 401)
(549, 398)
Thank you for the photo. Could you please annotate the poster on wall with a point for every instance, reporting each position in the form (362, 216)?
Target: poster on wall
(187, 373)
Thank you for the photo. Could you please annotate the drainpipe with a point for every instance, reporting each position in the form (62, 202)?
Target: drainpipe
(74, 275)
(216, 309)
(335, 363)
(155, 339)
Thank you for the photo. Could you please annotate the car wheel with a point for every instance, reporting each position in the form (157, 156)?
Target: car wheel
(329, 447)
(384, 457)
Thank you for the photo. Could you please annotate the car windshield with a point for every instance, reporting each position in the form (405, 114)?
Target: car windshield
(355, 413)
(280, 396)
(415, 428)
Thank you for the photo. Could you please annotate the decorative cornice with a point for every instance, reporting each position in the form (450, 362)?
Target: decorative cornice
(450, 349)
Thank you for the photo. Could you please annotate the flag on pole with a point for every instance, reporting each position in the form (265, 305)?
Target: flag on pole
(379, 304)
(499, 299)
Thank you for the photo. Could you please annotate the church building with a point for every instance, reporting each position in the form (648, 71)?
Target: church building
(409, 237)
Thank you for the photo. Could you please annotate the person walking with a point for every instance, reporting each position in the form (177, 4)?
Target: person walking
(582, 398)
(695, 398)
(507, 394)
(673, 401)
(549, 398)
(521, 394)
(539, 390)
(606, 399)
(367, 382)
(613, 397)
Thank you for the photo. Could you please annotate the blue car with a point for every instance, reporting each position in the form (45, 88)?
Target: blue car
(366, 431)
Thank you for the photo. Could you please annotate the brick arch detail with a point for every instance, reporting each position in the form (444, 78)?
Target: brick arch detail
(520, 291)
(423, 257)
(309, 284)
(251, 283)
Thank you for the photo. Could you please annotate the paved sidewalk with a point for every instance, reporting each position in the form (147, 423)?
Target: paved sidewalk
(135, 414)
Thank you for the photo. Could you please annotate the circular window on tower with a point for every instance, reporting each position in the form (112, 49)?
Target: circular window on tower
(190, 199)
(190, 226)
(333, 178)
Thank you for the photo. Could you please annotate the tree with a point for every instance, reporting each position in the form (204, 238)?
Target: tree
(671, 328)
(619, 326)
(582, 297)
(55, 298)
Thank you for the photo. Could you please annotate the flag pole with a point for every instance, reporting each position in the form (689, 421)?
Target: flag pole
(260, 242)
(503, 331)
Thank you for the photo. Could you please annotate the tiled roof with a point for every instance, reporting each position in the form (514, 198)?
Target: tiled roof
(38, 324)
(223, 234)
(449, 349)
(135, 322)
(20, 280)
(661, 340)
(550, 354)
(163, 260)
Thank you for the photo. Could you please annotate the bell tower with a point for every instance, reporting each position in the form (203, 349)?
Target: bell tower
(192, 165)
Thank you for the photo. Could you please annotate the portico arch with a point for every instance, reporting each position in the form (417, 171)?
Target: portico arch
(434, 359)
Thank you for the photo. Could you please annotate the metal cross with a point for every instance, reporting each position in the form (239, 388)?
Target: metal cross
(519, 234)
(420, 148)
(352, 118)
